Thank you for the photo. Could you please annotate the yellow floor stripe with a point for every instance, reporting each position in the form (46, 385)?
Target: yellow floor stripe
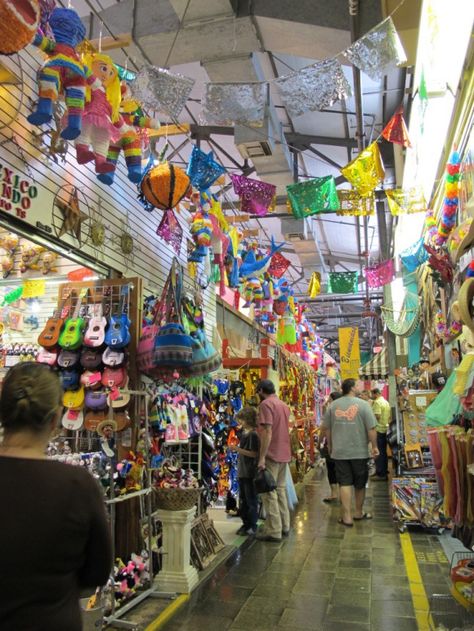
(167, 613)
(420, 600)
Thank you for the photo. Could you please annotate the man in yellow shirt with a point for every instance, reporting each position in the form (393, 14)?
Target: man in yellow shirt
(383, 414)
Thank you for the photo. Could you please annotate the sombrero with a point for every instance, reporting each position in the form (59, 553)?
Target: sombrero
(465, 297)
(108, 422)
(460, 240)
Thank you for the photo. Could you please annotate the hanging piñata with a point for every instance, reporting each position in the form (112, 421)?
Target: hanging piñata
(18, 24)
(170, 230)
(63, 73)
(163, 187)
(203, 170)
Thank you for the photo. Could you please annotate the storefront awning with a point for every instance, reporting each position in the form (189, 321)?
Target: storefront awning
(377, 367)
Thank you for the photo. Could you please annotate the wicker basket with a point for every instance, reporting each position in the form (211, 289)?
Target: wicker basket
(176, 499)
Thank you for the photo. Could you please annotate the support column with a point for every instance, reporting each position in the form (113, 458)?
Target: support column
(387, 290)
(177, 574)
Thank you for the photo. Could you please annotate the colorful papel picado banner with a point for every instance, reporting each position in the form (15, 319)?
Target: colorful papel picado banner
(349, 351)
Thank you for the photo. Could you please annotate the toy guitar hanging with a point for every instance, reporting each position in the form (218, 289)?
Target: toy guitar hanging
(49, 336)
(95, 332)
(118, 334)
(73, 419)
(72, 334)
(47, 357)
(73, 401)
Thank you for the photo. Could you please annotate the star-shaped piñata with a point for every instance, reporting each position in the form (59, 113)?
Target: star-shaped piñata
(72, 216)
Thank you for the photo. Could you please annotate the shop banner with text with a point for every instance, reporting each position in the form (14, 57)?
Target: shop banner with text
(349, 352)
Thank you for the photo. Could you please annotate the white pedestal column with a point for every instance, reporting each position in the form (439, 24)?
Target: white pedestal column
(177, 574)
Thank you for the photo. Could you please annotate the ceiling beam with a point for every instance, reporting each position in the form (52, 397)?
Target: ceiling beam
(303, 140)
(203, 132)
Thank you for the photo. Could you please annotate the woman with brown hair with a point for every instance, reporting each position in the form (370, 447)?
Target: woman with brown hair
(55, 540)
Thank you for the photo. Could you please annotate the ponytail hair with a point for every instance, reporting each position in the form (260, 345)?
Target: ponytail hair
(30, 397)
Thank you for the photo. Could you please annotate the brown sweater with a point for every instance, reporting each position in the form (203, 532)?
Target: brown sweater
(54, 541)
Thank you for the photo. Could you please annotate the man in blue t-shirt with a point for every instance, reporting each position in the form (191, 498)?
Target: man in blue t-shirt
(349, 425)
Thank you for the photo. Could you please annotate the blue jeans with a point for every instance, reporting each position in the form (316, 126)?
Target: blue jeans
(248, 503)
(381, 462)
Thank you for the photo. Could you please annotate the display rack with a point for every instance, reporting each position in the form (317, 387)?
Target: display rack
(144, 495)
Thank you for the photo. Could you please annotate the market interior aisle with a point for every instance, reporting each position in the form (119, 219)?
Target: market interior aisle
(323, 577)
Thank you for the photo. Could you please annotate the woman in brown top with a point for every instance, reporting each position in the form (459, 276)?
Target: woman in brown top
(54, 536)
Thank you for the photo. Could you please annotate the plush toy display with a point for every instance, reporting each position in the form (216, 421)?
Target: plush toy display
(130, 139)
(30, 257)
(18, 24)
(63, 73)
(101, 121)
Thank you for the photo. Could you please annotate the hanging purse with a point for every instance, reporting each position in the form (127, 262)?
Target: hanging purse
(173, 346)
(205, 357)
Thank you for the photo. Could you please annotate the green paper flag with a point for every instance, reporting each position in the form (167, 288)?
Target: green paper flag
(313, 197)
(343, 282)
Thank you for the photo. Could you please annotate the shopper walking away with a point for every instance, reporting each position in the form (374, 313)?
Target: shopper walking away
(330, 463)
(275, 453)
(55, 537)
(349, 424)
(247, 470)
(383, 414)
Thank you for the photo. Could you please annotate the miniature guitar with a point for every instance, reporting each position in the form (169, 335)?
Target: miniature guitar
(95, 332)
(96, 400)
(90, 359)
(49, 336)
(74, 398)
(113, 358)
(72, 334)
(93, 418)
(91, 379)
(68, 359)
(114, 377)
(72, 419)
(47, 357)
(122, 419)
(119, 397)
(118, 333)
(69, 379)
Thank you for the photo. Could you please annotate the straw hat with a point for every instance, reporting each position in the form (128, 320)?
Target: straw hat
(465, 298)
(108, 422)
(461, 239)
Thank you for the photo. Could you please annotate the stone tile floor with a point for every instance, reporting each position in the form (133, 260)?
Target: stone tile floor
(324, 577)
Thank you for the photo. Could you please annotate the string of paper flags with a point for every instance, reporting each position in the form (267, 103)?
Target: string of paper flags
(312, 88)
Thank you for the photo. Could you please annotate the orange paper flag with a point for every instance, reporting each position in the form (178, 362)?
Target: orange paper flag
(396, 130)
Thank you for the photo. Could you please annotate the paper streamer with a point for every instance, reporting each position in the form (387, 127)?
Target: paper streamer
(234, 103)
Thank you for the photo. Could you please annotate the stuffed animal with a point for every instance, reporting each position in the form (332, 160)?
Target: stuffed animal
(48, 261)
(30, 257)
(63, 73)
(101, 121)
(130, 139)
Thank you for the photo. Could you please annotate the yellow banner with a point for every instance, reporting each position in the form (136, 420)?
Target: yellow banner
(349, 352)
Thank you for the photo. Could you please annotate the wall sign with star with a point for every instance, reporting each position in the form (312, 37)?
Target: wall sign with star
(71, 215)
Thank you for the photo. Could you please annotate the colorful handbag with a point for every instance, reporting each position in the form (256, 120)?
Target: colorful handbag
(173, 347)
(205, 358)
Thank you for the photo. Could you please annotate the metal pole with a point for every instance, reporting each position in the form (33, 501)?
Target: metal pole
(387, 290)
